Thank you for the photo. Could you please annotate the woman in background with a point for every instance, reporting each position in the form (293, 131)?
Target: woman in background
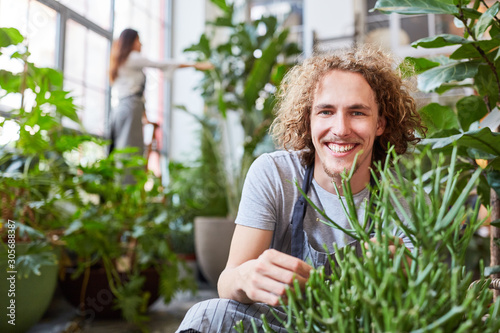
(129, 80)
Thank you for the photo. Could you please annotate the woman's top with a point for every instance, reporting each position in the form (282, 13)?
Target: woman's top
(131, 79)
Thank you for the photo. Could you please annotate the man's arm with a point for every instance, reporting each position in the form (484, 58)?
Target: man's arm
(255, 273)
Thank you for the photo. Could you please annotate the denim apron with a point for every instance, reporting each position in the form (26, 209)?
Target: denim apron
(301, 248)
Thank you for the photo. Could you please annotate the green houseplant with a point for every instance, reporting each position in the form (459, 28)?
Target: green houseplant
(250, 59)
(35, 180)
(81, 210)
(379, 292)
(475, 63)
(120, 235)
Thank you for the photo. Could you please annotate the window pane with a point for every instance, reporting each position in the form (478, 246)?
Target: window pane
(42, 35)
(13, 13)
(94, 106)
(96, 72)
(97, 11)
(85, 69)
(415, 26)
(39, 30)
(74, 57)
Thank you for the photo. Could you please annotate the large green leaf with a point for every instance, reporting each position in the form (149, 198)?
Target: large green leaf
(448, 86)
(411, 66)
(486, 19)
(440, 41)
(493, 177)
(487, 85)
(438, 117)
(416, 7)
(10, 36)
(262, 69)
(433, 78)
(470, 50)
(469, 110)
(203, 46)
(483, 139)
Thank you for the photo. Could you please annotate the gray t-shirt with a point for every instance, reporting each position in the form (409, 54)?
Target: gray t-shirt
(269, 195)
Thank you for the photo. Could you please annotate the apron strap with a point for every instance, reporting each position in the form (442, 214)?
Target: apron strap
(299, 211)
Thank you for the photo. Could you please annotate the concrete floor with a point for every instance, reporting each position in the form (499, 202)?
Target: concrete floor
(61, 317)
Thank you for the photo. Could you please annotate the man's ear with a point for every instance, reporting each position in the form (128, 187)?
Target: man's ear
(381, 125)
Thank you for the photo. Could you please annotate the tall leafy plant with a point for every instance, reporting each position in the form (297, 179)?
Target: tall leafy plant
(36, 182)
(83, 208)
(380, 292)
(249, 61)
(475, 63)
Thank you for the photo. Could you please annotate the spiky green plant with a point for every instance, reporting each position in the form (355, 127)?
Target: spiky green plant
(380, 292)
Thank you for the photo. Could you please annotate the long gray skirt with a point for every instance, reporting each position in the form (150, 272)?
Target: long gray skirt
(126, 124)
(221, 315)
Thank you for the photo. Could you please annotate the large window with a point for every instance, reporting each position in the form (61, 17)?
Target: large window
(75, 42)
(76, 36)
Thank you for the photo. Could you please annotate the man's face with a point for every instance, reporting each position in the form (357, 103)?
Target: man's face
(344, 122)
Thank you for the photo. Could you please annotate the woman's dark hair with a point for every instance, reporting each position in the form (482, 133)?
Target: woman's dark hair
(120, 51)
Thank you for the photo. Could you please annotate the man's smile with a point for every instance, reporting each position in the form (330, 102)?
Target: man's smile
(341, 147)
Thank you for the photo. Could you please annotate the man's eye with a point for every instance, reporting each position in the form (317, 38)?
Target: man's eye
(325, 112)
(357, 113)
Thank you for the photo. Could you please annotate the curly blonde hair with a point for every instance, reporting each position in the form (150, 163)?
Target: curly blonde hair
(291, 128)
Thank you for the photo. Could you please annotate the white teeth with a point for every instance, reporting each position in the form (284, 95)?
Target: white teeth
(340, 148)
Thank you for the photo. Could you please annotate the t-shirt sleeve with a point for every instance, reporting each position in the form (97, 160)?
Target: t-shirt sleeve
(260, 196)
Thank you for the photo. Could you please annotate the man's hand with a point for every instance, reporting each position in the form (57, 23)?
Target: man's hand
(265, 279)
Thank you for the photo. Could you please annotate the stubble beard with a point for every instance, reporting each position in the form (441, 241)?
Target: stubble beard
(338, 175)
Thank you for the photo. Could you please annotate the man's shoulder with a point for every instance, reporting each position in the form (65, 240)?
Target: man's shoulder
(281, 159)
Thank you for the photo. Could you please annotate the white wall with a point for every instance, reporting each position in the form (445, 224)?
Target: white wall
(188, 17)
(328, 18)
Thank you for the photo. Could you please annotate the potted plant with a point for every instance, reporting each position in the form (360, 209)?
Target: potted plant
(119, 259)
(417, 291)
(79, 211)
(35, 181)
(474, 64)
(250, 59)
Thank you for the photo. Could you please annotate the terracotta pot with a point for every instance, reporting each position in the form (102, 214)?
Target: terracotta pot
(212, 240)
(98, 299)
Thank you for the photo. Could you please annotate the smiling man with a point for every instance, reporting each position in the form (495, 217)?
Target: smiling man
(330, 109)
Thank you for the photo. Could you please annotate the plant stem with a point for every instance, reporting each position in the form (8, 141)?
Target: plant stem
(494, 235)
(480, 50)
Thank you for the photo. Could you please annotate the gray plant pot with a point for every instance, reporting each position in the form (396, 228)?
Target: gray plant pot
(32, 294)
(212, 240)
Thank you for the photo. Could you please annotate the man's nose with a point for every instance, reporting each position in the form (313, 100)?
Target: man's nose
(341, 125)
